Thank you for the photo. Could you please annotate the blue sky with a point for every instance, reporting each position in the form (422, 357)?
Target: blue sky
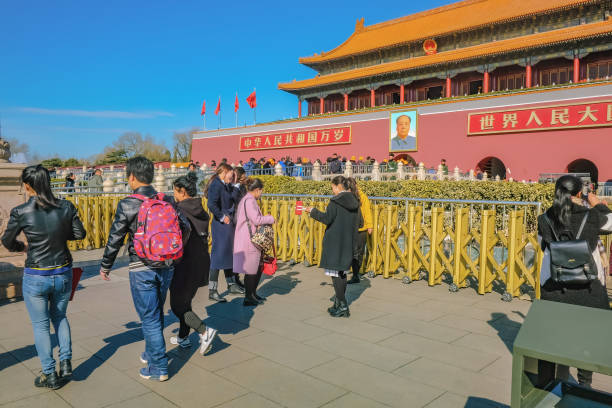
(74, 75)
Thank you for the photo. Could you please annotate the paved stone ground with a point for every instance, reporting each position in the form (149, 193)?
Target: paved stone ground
(404, 346)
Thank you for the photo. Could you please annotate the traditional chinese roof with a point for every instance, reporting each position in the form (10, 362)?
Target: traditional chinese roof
(496, 47)
(457, 17)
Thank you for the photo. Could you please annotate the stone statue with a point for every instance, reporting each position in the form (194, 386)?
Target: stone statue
(5, 151)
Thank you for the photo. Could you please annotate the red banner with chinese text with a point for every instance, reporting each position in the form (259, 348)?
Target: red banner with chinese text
(576, 116)
(302, 138)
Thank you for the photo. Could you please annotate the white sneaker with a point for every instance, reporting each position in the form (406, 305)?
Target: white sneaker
(206, 339)
(183, 343)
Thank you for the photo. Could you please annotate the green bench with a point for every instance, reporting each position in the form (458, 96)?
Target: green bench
(575, 336)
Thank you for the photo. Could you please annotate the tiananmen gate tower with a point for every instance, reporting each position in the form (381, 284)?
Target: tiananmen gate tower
(488, 84)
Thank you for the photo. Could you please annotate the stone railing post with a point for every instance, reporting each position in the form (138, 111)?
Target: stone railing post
(510, 179)
(159, 182)
(440, 173)
(456, 174)
(348, 169)
(119, 182)
(376, 171)
(316, 171)
(421, 171)
(485, 176)
(204, 168)
(497, 178)
(108, 186)
(278, 169)
(401, 173)
(173, 170)
(472, 178)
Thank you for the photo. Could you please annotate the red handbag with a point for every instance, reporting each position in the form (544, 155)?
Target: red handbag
(269, 263)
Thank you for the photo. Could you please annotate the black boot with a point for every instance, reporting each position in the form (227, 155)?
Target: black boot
(251, 301)
(52, 381)
(333, 309)
(65, 369)
(235, 289)
(214, 295)
(260, 298)
(342, 310)
(354, 279)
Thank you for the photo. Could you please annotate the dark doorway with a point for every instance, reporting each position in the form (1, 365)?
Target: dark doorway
(435, 92)
(493, 166)
(584, 166)
(475, 87)
(396, 98)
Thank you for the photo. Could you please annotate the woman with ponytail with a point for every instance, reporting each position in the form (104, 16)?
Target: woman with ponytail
(47, 223)
(567, 214)
(342, 220)
(192, 270)
(365, 228)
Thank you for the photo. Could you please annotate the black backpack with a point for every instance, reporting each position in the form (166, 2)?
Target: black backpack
(571, 261)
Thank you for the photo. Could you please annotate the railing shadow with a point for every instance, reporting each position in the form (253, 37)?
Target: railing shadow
(478, 402)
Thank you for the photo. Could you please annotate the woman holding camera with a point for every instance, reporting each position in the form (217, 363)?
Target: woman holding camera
(341, 218)
(572, 217)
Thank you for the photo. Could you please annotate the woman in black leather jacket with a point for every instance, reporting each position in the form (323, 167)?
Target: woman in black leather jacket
(47, 224)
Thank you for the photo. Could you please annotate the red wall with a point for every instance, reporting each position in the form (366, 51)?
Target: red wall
(444, 135)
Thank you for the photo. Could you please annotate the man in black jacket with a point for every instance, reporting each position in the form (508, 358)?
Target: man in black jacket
(149, 280)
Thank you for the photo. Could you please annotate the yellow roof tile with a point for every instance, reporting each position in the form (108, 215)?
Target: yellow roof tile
(431, 23)
(496, 47)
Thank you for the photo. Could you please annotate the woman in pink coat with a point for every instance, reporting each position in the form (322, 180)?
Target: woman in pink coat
(247, 256)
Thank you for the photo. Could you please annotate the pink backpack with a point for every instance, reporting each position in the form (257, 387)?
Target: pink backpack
(158, 235)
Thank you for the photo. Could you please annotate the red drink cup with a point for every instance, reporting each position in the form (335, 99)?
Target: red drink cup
(299, 207)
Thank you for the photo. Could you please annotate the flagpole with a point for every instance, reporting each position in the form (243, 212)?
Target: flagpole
(219, 127)
(204, 121)
(255, 110)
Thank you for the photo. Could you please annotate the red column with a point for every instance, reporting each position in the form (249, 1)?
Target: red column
(402, 93)
(485, 82)
(448, 87)
(299, 108)
(372, 98)
(345, 102)
(576, 69)
(528, 76)
(322, 105)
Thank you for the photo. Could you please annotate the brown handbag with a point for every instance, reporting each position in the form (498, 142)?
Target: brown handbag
(263, 238)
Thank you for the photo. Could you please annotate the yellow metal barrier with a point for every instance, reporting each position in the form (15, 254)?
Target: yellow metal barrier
(463, 244)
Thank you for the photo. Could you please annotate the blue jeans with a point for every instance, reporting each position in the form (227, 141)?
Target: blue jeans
(149, 289)
(46, 298)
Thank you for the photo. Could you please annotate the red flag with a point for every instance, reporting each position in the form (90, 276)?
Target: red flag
(236, 103)
(252, 100)
(203, 109)
(218, 107)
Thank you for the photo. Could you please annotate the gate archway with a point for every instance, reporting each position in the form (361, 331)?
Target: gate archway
(493, 166)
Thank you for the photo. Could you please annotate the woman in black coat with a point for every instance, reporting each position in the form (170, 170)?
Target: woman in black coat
(566, 215)
(222, 197)
(192, 270)
(341, 218)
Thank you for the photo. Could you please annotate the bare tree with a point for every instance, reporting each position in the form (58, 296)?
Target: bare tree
(182, 145)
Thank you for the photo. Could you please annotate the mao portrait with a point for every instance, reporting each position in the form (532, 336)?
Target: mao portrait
(403, 131)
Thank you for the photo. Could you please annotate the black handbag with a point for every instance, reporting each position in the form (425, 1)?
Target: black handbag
(571, 261)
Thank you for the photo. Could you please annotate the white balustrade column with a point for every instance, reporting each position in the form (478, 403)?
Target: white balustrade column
(376, 171)
(421, 171)
(316, 171)
(401, 173)
(348, 169)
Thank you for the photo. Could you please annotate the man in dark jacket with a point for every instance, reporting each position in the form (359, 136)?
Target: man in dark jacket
(149, 280)
(335, 166)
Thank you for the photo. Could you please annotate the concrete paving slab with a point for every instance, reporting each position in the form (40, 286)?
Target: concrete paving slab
(376, 384)
(221, 356)
(47, 400)
(419, 328)
(95, 384)
(17, 381)
(455, 379)
(282, 385)
(352, 400)
(447, 353)
(284, 351)
(286, 327)
(413, 312)
(251, 400)
(192, 386)
(353, 328)
(362, 351)
(498, 325)
(148, 400)
(480, 342)
(450, 400)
